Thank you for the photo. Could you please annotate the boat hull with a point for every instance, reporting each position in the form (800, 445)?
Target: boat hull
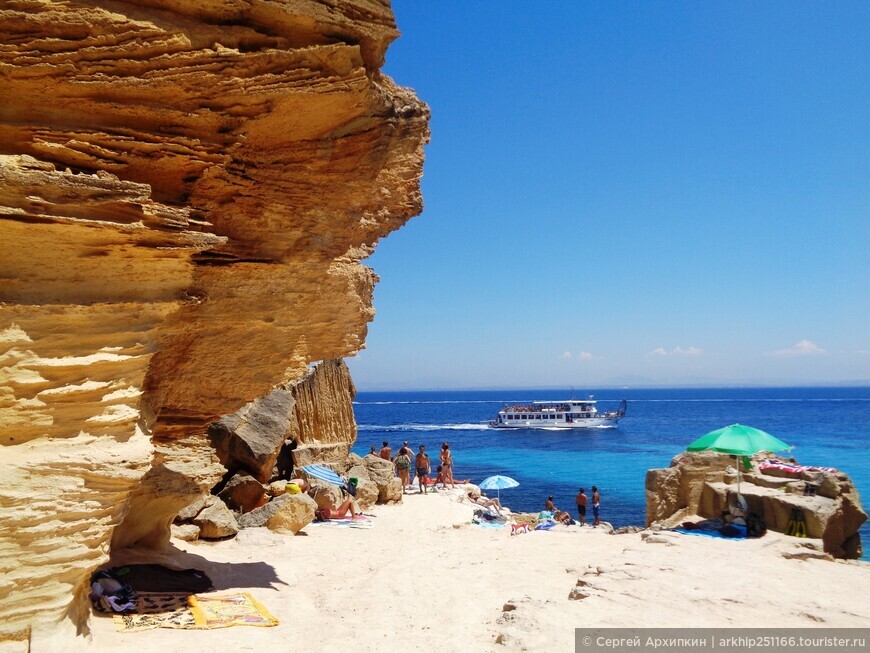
(586, 423)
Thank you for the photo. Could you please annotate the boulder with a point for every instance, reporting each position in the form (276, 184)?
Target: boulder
(191, 510)
(326, 495)
(293, 514)
(391, 492)
(216, 521)
(380, 470)
(185, 532)
(276, 488)
(243, 492)
(358, 471)
(367, 494)
(353, 460)
(259, 516)
(251, 438)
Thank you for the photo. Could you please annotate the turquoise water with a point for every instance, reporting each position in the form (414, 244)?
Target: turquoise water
(827, 427)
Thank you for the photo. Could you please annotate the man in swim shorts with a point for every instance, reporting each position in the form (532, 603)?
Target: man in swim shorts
(582, 502)
(421, 461)
(596, 504)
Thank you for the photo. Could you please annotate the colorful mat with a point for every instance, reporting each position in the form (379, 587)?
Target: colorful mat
(174, 610)
(157, 610)
(230, 610)
(358, 522)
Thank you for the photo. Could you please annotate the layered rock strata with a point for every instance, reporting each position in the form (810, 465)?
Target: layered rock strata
(699, 484)
(186, 192)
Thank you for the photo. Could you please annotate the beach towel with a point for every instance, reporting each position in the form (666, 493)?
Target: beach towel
(793, 469)
(729, 532)
(519, 529)
(545, 525)
(227, 610)
(157, 578)
(157, 610)
(360, 521)
(193, 612)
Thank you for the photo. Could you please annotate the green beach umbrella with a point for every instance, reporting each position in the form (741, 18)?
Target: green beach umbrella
(738, 440)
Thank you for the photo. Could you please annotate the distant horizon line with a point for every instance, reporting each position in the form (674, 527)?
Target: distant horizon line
(632, 386)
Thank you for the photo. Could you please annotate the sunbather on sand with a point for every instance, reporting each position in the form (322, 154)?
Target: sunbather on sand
(326, 514)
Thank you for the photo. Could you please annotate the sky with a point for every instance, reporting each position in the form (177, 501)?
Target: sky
(626, 194)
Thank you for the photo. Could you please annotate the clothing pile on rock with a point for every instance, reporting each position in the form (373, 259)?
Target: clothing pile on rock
(488, 515)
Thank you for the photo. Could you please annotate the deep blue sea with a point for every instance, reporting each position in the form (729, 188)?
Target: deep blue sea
(827, 426)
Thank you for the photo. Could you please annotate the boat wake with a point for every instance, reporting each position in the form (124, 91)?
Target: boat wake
(423, 427)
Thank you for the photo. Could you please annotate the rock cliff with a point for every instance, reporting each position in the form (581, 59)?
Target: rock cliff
(698, 484)
(186, 192)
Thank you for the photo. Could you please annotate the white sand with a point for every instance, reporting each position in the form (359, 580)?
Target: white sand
(415, 583)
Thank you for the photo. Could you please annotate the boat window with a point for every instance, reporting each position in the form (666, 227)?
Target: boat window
(558, 417)
(537, 417)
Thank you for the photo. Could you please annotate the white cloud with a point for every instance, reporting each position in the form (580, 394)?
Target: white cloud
(676, 351)
(802, 348)
(582, 356)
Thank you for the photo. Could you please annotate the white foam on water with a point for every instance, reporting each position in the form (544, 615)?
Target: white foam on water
(424, 427)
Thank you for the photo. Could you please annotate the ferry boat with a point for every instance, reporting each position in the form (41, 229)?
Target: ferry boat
(569, 414)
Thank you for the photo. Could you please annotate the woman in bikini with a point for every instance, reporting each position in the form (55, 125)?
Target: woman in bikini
(447, 464)
(325, 514)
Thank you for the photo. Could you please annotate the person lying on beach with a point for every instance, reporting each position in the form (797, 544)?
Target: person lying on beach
(564, 518)
(485, 502)
(301, 483)
(325, 514)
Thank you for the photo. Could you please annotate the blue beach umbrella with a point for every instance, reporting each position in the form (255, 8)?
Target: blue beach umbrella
(323, 473)
(498, 483)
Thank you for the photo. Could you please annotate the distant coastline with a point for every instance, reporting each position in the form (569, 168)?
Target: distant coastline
(616, 386)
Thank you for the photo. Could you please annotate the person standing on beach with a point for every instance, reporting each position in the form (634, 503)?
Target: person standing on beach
(421, 462)
(596, 504)
(582, 502)
(386, 453)
(447, 464)
(403, 467)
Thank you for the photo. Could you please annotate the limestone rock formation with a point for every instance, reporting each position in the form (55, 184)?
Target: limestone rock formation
(186, 192)
(699, 483)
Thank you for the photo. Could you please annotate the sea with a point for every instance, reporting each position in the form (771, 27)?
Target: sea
(827, 426)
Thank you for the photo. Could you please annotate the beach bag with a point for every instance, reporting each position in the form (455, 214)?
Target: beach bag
(350, 486)
(755, 526)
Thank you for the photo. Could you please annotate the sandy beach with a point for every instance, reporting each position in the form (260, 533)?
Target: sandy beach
(426, 579)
